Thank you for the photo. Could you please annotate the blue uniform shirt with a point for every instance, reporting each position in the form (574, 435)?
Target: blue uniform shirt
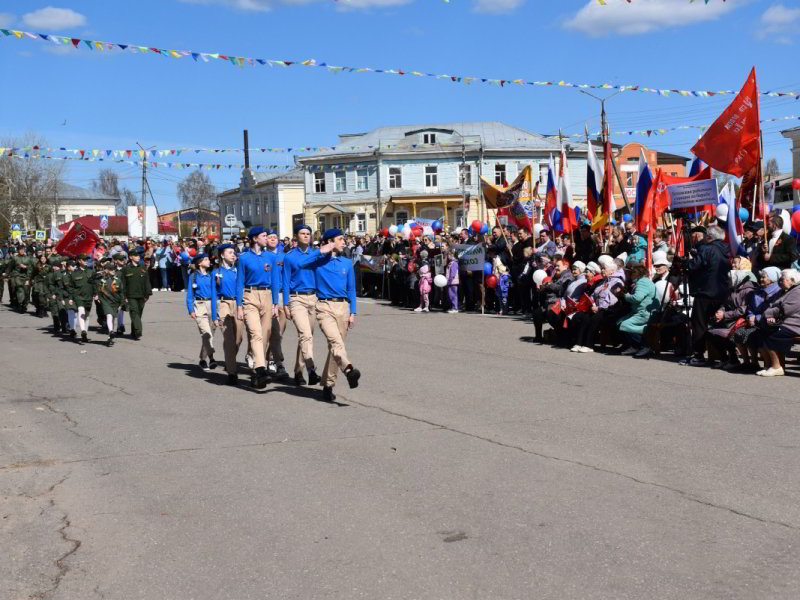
(224, 286)
(296, 276)
(279, 260)
(336, 279)
(200, 288)
(257, 270)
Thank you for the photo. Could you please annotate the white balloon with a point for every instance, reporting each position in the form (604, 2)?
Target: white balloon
(393, 230)
(537, 229)
(427, 230)
(440, 281)
(787, 221)
(722, 211)
(539, 276)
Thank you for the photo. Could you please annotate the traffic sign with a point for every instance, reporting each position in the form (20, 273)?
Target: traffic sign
(15, 227)
(230, 220)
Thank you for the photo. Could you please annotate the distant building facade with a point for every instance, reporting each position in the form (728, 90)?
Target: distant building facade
(273, 200)
(627, 160)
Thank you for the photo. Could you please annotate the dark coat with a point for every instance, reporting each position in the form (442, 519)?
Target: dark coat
(708, 270)
(735, 307)
(784, 253)
(556, 289)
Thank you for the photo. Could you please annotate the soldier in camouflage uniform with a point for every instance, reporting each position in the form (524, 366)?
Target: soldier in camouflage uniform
(137, 290)
(80, 285)
(110, 293)
(40, 272)
(120, 260)
(55, 293)
(21, 274)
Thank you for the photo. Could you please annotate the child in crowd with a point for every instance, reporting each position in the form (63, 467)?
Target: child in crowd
(502, 288)
(425, 285)
(452, 282)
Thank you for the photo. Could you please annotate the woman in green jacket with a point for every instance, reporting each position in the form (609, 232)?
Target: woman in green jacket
(643, 302)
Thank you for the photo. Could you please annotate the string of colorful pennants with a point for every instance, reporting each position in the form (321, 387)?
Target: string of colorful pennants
(142, 154)
(154, 164)
(242, 61)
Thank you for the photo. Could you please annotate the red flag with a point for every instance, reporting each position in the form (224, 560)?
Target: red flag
(77, 240)
(732, 143)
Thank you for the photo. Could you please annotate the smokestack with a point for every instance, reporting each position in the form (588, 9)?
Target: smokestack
(246, 151)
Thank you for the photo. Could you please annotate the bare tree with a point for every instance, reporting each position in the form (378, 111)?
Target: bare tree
(29, 187)
(107, 183)
(196, 191)
(771, 169)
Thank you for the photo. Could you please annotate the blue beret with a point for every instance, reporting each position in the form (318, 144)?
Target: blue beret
(331, 233)
(199, 256)
(139, 250)
(303, 226)
(222, 247)
(272, 232)
(254, 231)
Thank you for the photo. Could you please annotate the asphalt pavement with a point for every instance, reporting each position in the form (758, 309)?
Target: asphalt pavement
(470, 463)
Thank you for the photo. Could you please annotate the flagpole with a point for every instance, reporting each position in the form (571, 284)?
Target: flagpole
(761, 186)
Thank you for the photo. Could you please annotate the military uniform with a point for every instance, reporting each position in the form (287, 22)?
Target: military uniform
(80, 286)
(110, 294)
(41, 271)
(54, 292)
(136, 283)
(21, 274)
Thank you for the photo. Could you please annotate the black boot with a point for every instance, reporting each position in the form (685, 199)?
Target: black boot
(352, 375)
(259, 378)
(328, 395)
(84, 337)
(313, 378)
(645, 352)
(56, 326)
(110, 341)
(233, 379)
(299, 379)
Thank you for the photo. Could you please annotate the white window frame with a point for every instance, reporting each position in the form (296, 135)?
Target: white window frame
(396, 179)
(361, 222)
(319, 182)
(428, 138)
(362, 175)
(465, 174)
(460, 217)
(629, 179)
(500, 173)
(336, 221)
(257, 207)
(322, 223)
(400, 217)
(431, 184)
(337, 177)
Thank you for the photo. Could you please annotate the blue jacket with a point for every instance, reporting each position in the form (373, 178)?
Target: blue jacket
(224, 286)
(257, 270)
(297, 276)
(336, 279)
(503, 283)
(279, 260)
(200, 288)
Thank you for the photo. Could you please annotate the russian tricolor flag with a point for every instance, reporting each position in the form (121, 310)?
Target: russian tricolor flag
(568, 220)
(735, 228)
(643, 185)
(594, 183)
(551, 197)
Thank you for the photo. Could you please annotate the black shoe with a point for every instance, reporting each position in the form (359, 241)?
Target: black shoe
(694, 361)
(110, 341)
(313, 378)
(299, 379)
(84, 337)
(280, 371)
(644, 353)
(730, 365)
(103, 330)
(233, 379)
(120, 331)
(204, 365)
(629, 352)
(136, 336)
(259, 378)
(328, 395)
(212, 364)
(353, 375)
(73, 334)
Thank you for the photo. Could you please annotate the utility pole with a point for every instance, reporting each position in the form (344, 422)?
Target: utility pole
(144, 187)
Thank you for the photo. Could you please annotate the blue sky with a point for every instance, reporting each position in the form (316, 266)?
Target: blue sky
(114, 99)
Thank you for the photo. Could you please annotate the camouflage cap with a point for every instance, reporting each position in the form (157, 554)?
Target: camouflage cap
(83, 256)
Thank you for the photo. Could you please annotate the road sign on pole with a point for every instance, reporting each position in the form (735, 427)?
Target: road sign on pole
(230, 220)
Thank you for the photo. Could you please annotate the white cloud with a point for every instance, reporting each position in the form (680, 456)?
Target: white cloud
(644, 16)
(265, 5)
(6, 19)
(54, 19)
(496, 7)
(776, 20)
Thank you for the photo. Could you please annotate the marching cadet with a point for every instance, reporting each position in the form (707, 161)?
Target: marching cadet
(300, 299)
(80, 285)
(41, 270)
(275, 348)
(53, 291)
(120, 260)
(336, 310)
(256, 299)
(110, 294)
(21, 273)
(69, 302)
(223, 308)
(137, 290)
(199, 292)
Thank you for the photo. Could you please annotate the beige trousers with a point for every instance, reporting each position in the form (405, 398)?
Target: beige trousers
(332, 317)
(304, 315)
(257, 305)
(232, 333)
(275, 348)
(202, 311)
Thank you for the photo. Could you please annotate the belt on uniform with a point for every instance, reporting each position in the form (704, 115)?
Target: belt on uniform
(254, 288)
(227, 298)
(302, 293)
(196, 298)
(335, 299)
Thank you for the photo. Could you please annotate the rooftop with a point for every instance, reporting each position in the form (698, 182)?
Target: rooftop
(73, 192)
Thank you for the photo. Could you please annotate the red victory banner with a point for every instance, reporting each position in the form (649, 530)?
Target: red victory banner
(731, 144)
(77, 240)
